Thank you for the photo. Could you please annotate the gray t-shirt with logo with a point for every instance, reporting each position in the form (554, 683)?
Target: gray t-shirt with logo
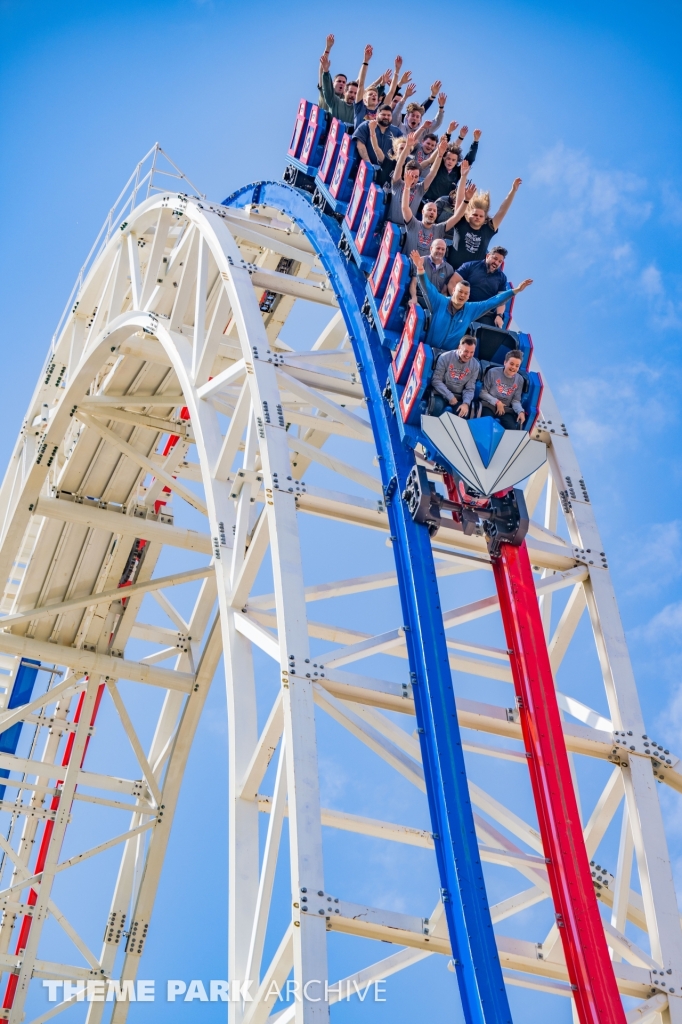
(419, 236)
(497, 387)
(454, 377)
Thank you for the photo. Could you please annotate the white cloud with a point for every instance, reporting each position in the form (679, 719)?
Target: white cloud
(590, 205)
(651, 281)
(666, 624)
(622, 406)
(672, 203)
(656, 562)
(592, 211)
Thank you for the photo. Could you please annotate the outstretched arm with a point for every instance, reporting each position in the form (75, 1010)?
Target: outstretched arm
(440, 153)
(473, 148)
(394, 80)
(398, 108)
(461, 198)
(404, 153)
(421, 131)
(504, 208)
(325, 85)
(369, 50)
(435, 89)
(405, 201)
(495, 300)
(442, 100)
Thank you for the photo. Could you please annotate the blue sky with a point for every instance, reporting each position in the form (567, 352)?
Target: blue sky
(581, 100)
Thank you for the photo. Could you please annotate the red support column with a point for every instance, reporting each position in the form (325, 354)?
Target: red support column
(26, 922)
(587, 958)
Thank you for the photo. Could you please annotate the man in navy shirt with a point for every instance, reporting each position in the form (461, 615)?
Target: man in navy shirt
(375, 141)
(485, 278)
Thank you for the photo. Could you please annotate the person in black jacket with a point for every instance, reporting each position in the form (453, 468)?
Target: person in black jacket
(450, 171)
(474, 227)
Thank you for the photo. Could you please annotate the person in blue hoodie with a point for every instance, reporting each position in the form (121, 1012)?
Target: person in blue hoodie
(451, 315)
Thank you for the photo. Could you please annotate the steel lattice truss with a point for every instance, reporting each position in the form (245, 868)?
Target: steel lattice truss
(183, 309)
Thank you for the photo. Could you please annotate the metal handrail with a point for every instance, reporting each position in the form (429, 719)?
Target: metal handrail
(124, 204)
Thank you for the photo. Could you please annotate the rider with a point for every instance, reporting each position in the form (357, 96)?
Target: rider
(451, 315)
(455, 377)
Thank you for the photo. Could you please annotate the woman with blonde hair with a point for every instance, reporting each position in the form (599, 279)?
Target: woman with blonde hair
(474, 228)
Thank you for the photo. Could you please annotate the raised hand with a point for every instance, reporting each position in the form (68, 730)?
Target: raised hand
(464, 168)
(442, 99)
(516, 183)
(426, 126)
(470, 190)
(435, 87)
(477, 134)
(369, 50)
(453, 127)
(442, 146)
(418, 261)
(324, 62)
(463, 130)
(411, 141)
(404, 78)
(398, 63)
(524, 284)
(330, 42)
(411, 177)
(411, 89)
(387, 76)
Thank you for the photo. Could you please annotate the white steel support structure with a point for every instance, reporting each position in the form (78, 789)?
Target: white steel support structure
(183, 308)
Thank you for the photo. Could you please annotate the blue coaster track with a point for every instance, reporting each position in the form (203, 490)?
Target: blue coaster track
(463, 892)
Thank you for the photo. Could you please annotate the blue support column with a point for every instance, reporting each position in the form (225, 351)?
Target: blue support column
(477, 964)
(22, 691)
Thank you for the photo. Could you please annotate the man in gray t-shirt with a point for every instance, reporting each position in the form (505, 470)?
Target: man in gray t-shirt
(422, 233)
(502, 390)
(455, 376)
(417, 190)
(395, 206)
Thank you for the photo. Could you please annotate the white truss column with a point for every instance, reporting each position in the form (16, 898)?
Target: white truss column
(305, 831)
(653, 861)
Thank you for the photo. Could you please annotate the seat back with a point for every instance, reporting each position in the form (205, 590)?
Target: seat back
(408, 344)
(296, 144)
(337, 130)
(390, 311)
(367, 237)
(363, 179)
(313, 143)
(493, 343)
(342, 180)
(417, 383)
(378, 278)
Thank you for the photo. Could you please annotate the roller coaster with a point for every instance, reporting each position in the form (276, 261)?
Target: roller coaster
(174, 452)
